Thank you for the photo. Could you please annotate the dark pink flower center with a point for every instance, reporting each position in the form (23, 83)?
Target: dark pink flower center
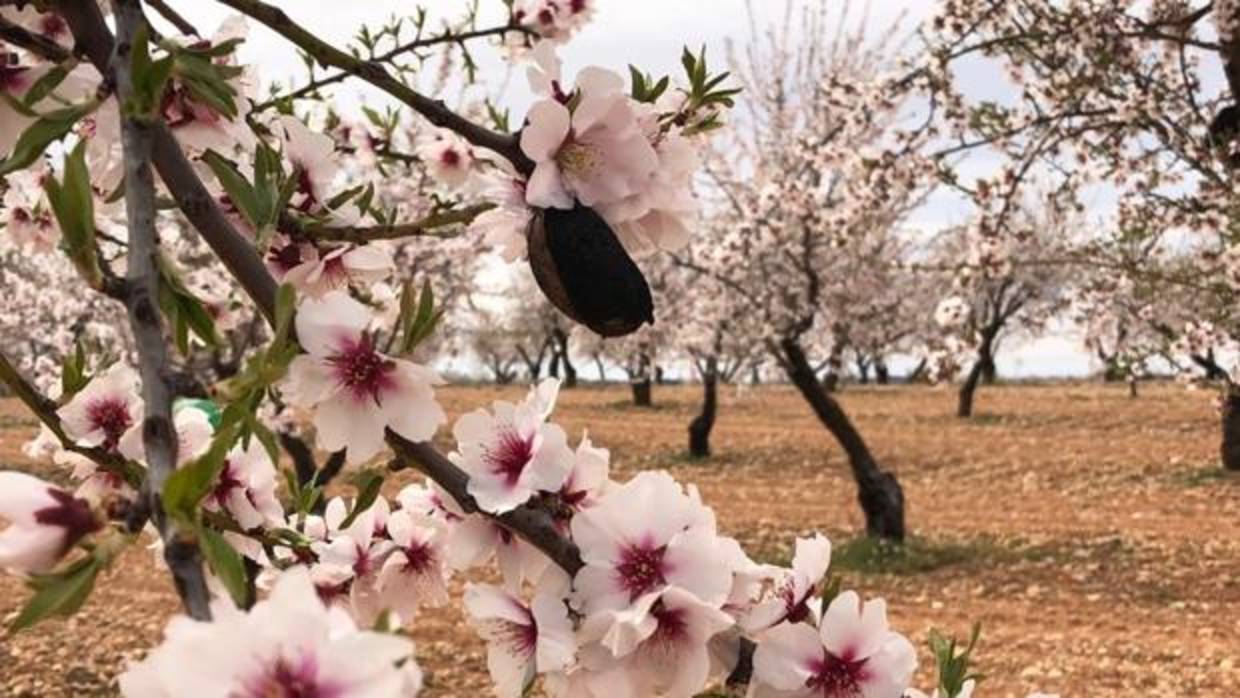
(111, 416)
(834, 677)
(450, 157)
(797, 608)
(363, 371)
(285, 258)
(509, 456)
(224, 486)
(13, 77)
(672, 629)
(71, 514)
(290, 679)
(641, 569)
(52, 25)
(419, 558)
(577, 6)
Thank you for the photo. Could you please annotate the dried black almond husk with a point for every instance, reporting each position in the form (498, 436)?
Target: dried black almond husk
(585, 272)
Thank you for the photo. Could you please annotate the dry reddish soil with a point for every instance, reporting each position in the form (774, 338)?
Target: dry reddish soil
(1092, 535)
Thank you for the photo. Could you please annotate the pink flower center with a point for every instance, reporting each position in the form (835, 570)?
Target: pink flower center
(52, 25)
(227, 482)
(290, 679)
(12, 76)
(111, 416)
(450, 158)
(365, 372)
(510, 455)
(285, 258)
(419, 558)
(577, 6)
(834, 677)
(672, 629)
(71, 514)
(641, 569)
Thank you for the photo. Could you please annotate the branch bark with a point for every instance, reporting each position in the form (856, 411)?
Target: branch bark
(433, 110)
(158, 434)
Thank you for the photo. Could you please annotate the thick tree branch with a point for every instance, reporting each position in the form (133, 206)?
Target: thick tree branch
(434, 111)
(158, 434)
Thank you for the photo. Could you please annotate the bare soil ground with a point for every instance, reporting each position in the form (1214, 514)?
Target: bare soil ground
(1093, 536)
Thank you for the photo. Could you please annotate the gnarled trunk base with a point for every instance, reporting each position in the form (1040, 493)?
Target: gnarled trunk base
(642, 393)
(700, 427)
(878, 491)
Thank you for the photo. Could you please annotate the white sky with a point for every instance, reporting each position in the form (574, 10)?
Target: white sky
(647, 33)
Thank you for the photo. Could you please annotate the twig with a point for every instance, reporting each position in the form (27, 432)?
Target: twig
(424, 227)
(45, 410)
(174, 18)
(314, 85)
(158, 435)
(434, 111)
(39, 45)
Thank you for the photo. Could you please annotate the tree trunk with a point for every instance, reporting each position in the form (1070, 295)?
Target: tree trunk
(642, 393)
(561, 353)
(553, 365)
(919, 371)
(1230, 450)
(699, 428)
(658, 375)
(964, 403)
(985, 362)
(1132, 387)
(882, 375)
(830, 381)
(863, 371)
(990, 374)
(878, 491)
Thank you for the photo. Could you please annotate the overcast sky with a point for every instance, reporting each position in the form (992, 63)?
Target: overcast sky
(648, 33)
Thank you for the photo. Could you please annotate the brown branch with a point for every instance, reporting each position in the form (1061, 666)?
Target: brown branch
(39, 45)
(428, 226)
(158, 434)
(314, 85)
(174, 18)
(45, 410)
(434, 111)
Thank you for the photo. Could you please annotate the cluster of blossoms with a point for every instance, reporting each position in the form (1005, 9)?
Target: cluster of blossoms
(659, 606)
(593, 144)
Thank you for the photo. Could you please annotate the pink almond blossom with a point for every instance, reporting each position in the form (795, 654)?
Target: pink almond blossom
(43, 523)
(851, 655)
(511, 452)
(522, 640)
(355, 390)
(102, 412)
(644, 536)
(289, 644)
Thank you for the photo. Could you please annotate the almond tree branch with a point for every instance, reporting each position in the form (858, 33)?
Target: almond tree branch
(433, 110)
(174, 18)
(447, 37)
(158, 434)
(427, 226)
(45, 410)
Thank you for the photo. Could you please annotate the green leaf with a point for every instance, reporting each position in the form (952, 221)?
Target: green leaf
(48, 129)
(368, 484)
(226, 564)
(188, 485)
(48, 82)
(59, 594)
(286, 307)
(73, 372)
(238, 188)
(72, 202)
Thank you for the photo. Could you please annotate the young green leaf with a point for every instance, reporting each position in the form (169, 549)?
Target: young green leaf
(225, 563)
(60, 593)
